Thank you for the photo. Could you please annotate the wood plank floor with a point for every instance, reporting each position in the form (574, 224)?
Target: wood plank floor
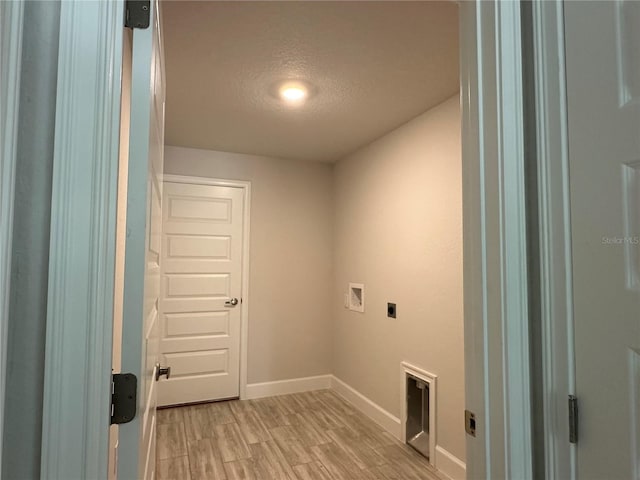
(303, 436)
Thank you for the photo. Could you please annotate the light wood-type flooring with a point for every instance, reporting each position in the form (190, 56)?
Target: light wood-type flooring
(304, 436)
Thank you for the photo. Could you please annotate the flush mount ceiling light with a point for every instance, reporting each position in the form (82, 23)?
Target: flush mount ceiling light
(293, 93)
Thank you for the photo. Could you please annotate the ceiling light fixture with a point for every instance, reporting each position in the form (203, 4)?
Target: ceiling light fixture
(293, 93)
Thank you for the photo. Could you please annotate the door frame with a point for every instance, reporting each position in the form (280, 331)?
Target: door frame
(11, 28)
(496, 290)
(554, 237)
(77, 377)
(79, 325)
(245, 186)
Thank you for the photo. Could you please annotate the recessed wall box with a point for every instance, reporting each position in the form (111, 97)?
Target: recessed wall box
(418, 410)
(356, 297)
(417, 427)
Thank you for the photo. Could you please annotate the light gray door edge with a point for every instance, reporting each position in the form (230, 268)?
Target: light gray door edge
(11, 26)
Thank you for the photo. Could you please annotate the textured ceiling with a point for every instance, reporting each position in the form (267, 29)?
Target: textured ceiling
(373, 66)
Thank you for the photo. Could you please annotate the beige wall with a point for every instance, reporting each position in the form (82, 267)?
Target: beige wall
(398, 230)
(290, 322)
(388, 216)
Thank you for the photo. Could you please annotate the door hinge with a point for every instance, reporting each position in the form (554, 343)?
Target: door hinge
(573, 419)
(137, 13)
(124, 387)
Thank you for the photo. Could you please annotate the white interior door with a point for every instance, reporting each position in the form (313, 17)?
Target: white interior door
(140, 337)
(603, 93)
(200, 307)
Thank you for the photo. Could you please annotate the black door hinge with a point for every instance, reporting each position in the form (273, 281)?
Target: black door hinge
(137, 13)
(124, 387)
(573, 419)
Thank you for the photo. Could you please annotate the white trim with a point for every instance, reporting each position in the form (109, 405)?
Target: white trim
(515, 296)
(407, 369)
(246, 248)
(285, 387)
(450, 465)
(375, 412)
(495, 249)
(77, 377)
(11, 26)
(473, 238)
(556, 289)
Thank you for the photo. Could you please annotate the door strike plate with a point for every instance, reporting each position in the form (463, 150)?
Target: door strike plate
(470, 423)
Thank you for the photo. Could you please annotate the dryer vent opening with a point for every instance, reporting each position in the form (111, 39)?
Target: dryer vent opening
(417, 426)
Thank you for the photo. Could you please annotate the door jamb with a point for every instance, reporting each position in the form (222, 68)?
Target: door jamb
(556, 292)
(496, 317)
(246, 227)
(11, 28)
(77, 377)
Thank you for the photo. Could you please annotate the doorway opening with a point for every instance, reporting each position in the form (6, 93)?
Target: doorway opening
(351, 145)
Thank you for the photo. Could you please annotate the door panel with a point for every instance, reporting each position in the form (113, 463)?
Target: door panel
(602, 45)
(141, 330)
(201, 270)
(195, 323)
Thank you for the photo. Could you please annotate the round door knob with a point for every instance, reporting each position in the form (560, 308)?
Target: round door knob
(231, 303)
(160, 371)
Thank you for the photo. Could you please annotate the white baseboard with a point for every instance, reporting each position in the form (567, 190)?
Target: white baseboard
(372, 410)
(450, 465)
(284, 387)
